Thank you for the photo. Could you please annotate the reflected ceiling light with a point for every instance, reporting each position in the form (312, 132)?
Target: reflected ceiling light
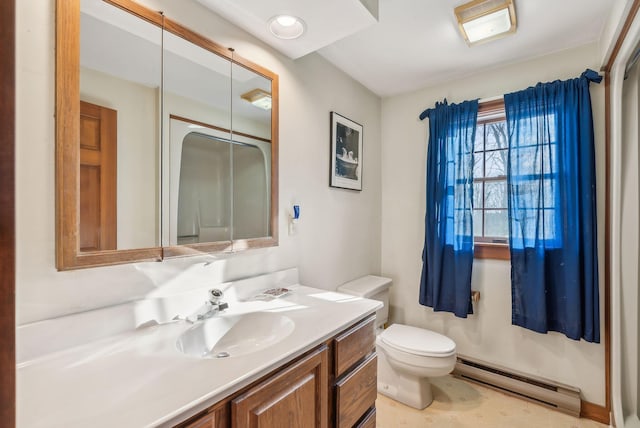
(484, 20)
(259, 98)
(286, 27)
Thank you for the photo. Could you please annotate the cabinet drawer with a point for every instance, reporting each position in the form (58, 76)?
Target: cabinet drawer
(369, 421)
(357, 392)
(353, 345)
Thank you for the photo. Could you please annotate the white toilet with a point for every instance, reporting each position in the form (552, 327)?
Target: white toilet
(407, 356)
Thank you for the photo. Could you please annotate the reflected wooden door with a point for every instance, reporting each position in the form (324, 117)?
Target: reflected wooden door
(98, 180)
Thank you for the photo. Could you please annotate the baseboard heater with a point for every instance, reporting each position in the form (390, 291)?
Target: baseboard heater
(560, 397)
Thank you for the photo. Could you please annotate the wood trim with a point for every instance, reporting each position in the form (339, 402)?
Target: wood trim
(489, 112)
(196, 38)
(7, 215)
(595, 412)
(490, 108)
(113, 257)
(67, 130)
(140, 11)
(484, 250)
(607, 242)
(217, 128)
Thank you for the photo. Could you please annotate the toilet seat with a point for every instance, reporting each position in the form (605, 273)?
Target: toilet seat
(417, 341)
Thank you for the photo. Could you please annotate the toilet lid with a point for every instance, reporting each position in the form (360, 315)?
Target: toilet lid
(418, 341)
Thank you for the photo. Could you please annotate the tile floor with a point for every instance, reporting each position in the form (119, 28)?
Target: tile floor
(461, 404)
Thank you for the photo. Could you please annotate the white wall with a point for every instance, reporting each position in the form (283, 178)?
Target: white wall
(612, 28)
(488, 334)
(629, 244)
(338, 235)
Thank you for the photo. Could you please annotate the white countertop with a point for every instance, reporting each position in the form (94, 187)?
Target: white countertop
(140, 379)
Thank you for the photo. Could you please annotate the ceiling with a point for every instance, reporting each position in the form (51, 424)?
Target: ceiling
(397, 46)
(118, 44)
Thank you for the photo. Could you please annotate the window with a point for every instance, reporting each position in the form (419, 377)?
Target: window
(535, 182)
(490, 206)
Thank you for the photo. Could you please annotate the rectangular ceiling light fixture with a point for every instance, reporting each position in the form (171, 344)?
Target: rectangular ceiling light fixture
(484, 20)
(259, 98)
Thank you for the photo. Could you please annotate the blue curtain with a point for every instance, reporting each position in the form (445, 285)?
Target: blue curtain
(448, 245)
(552, 208)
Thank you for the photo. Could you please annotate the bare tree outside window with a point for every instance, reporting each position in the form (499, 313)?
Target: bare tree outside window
(490, 182)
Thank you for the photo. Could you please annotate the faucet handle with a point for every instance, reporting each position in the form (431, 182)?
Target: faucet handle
(215, 295)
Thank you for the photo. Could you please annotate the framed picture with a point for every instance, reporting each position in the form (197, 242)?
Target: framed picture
(346, 153)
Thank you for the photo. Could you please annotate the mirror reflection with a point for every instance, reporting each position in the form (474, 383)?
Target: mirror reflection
(197, 95)
(165, 143)
(251, 109)
(120, 81)
(219, 162)
(223, 189)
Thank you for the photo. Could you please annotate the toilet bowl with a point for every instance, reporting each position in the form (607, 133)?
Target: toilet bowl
(407, 356)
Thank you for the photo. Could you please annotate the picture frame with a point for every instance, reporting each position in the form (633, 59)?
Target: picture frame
(346, 164)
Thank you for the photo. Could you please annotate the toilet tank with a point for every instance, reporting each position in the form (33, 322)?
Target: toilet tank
(371, 287)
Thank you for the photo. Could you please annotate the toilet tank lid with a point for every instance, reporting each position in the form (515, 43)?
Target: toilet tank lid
(418, 341)
(366, 286)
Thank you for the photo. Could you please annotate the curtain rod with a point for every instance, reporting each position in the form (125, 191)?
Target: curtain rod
(423, 115)
(486, 100)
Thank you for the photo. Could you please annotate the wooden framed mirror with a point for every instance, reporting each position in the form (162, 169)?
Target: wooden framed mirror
(131, 87)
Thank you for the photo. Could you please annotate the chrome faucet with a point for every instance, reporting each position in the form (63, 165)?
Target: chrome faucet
(210, 307)
(215, 297)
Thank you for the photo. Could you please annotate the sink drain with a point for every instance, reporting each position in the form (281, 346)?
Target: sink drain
(222, 355)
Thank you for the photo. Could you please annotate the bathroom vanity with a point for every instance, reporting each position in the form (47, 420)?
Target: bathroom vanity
(332, 385)
(307, 358)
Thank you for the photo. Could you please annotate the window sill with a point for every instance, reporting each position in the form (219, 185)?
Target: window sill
(484, 250)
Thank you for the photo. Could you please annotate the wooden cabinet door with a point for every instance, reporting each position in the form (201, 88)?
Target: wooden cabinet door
(295, 398)
(98, 180)
(217, 417)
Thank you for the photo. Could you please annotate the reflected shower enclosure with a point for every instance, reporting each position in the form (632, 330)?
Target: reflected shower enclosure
(221, 185)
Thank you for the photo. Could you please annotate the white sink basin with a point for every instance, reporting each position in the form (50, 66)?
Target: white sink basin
(234, 335)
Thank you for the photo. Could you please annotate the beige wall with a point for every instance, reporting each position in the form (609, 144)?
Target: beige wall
(488, 334)
(338, 237)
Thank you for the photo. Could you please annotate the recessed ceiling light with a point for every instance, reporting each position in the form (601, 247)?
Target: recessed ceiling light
(286, 26)
(483, 20)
